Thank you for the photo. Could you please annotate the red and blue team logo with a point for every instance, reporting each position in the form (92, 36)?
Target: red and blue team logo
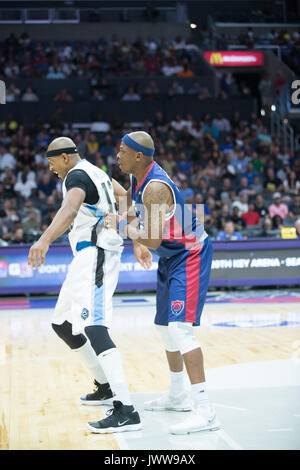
(177, 306)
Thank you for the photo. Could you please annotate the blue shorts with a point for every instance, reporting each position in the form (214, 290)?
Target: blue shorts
(182, 283)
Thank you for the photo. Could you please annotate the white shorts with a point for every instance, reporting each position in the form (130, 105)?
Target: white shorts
(85, 297)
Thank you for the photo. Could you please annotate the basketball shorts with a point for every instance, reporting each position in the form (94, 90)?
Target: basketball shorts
(86, 295)
(182, 283)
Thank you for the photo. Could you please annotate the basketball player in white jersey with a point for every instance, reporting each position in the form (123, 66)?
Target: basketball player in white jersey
(83, 311)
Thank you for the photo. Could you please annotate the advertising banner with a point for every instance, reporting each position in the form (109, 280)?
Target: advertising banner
(253, 263)
(234, 58)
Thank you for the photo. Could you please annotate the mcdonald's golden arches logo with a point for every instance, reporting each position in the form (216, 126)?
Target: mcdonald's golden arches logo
(216, 58)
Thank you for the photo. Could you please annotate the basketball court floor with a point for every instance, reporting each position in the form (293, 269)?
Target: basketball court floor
(251, 345)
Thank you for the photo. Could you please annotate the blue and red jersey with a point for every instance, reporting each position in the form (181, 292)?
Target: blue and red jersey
(182, 230)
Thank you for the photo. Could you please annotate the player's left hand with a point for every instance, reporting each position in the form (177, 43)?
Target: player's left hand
(142, 254)
(37, 253)
(111, 220)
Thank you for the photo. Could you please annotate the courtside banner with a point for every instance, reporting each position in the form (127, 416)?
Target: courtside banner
(257, 262)
(234, 58)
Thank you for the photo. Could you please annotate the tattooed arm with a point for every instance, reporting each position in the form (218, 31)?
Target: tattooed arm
(158, 201)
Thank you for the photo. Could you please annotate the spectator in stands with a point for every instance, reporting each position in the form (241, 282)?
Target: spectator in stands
(186, 192)
(256, 162)
(183, 164)
(107, 149)
(24, 186)
(222, 123)
(272, 183)
(97, 96)
(264, 137)
(29, 95)
(46, 187)
(17, 237)
(210, 130)
(12, 93)
(297, 227)
(62, 96)
(229, 233)
(151, 91)
(241, 203)
(196, 89)
(31, 223)
(171, 67)
(279, 82)
(277, 222)
(251, 217)
(204, 94)
(54, 74)
(6, 159)
(175, 89)
(186, 72)
(266, 89)
(92, 145)
(278, 207)
(260, 206)
(257, 185)
(239, 162)
(131, 95)
(239, 223)
(291, 184)
(295, 206)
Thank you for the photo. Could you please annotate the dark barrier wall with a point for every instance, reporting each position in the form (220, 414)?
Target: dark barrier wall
(247, 263)
(127, 111)
(78, 87)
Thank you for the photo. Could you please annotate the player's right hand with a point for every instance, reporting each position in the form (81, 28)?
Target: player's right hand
(37, 253)
(143, 255)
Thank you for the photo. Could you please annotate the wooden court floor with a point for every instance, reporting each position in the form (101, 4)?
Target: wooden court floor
(41, 380)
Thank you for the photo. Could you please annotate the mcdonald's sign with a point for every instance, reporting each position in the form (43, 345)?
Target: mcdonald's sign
(234, 58)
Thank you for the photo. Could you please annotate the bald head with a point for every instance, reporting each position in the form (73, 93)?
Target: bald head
(61, 143)
(62, 155)
(142, 138)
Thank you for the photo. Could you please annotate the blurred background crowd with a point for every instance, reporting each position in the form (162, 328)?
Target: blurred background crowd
(232, 162)
(249, 183)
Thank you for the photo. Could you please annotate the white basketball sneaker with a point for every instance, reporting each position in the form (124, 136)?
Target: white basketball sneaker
(180, 402)
(197, 421)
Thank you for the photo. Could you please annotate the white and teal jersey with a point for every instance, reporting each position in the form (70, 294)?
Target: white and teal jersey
(88, 224)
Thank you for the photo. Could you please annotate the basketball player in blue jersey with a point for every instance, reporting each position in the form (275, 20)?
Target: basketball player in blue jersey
(165, 225)
(83, 312)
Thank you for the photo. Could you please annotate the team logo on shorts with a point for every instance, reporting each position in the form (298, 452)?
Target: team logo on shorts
(84, 313)
(177, 306)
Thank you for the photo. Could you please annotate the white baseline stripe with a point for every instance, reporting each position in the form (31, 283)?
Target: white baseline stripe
(231, 442)
(230, 407)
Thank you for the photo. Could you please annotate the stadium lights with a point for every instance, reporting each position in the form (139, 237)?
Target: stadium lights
(262, 112)
(273, 107)
(193, 26)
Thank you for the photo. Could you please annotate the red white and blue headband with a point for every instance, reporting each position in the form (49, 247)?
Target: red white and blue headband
(149, 152)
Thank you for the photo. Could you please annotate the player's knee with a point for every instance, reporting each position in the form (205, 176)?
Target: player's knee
(183, 336)
(64, 331)
(99, 338)
(170, 345)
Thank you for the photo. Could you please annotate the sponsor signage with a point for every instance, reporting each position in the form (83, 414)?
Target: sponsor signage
(234, 58)
(252, 263)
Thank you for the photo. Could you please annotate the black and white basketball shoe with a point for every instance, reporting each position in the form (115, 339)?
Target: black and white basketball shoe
(102, 395)
(119, 419)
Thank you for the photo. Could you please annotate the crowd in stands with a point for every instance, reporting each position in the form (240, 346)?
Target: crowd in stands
(288, 41)
(104, 90)
(249, 183)
(24, 57)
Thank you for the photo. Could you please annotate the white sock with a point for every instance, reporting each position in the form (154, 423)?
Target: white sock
(111, 363)
(90, 360)
(200, 395)
(177, 383)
